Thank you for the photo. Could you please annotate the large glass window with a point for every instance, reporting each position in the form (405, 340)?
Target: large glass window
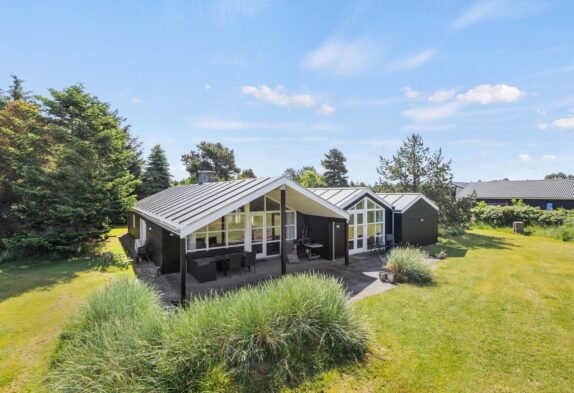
(366, 221)
(229, 231)
(226, 231)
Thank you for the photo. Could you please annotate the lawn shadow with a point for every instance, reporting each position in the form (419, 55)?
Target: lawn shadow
(458, 246)
(25, 275)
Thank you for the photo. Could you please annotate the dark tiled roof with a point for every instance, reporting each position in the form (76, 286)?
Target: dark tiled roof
(524, 189)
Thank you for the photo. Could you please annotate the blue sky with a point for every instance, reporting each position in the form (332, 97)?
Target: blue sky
(281, 82)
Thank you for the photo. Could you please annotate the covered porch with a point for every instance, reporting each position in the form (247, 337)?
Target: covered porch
(359, 277)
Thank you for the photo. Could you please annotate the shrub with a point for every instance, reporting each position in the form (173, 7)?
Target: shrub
(262, 337)
(505, 215)
(410, 265)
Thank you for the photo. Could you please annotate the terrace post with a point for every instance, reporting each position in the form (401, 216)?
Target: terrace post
(283, 232)
(346, 243)
(182, 268)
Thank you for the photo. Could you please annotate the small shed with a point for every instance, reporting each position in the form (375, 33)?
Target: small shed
(415, 218)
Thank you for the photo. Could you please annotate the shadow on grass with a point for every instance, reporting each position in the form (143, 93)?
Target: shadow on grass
(457, 247)
(29, 274)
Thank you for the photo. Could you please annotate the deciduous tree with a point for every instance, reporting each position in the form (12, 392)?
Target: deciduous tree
(211, 156)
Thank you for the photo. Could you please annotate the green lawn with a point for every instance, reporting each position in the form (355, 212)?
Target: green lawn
(36, 299)
(499, 319)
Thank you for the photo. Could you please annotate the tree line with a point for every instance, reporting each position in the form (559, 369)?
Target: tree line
(70, 168)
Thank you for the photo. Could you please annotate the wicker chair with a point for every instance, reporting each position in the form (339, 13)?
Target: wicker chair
(234, 263)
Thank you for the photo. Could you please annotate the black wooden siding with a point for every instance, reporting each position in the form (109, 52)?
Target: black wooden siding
(320, 230)
(541, 203)
(416, 232)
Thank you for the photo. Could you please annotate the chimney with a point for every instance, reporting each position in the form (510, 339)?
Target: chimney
(205, 177)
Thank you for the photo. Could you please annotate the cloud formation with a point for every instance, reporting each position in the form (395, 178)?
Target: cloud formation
(525, 157)
(411, 62)
(448, 103)
(488, 94)
(343, 58)
(441, 96)
(564, 123)
(549, 157)
(496, 9)
(326, 110)
(278, 96)
(411, 93)
(213, 123)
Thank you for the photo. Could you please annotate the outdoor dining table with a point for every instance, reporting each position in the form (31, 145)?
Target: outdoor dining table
(218, 259)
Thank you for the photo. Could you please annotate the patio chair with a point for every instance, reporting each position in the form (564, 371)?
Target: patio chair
(379, 245)
(233, 263)
(389, 240)
(250, 260)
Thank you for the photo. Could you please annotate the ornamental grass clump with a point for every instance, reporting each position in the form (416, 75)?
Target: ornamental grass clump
(410, 265)
(113, 344)
(257, 338)
(274, 334)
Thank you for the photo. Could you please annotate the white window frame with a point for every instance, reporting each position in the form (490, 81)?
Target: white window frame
(247, 242)
(353, 211)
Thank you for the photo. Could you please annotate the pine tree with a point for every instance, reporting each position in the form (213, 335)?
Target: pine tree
(156, 176)
(247, 174)
(335, 174)
(415, 169)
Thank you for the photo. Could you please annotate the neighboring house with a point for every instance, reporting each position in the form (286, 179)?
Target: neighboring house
(546, 194)
(415, 218)
(368, 215)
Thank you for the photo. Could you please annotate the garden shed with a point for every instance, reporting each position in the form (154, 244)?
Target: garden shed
(415, 218)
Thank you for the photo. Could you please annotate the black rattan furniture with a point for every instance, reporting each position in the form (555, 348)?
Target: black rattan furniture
(250, 260)
(203, 269)
(234, 263)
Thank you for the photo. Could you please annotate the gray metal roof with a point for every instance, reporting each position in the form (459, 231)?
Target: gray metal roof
(523, 189)
(183, 208)
(344, 196)
(404, 200)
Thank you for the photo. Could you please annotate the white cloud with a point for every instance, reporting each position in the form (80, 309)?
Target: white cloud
(541, 111)
(411, 93)
(441, 96)
(210, 123)
(488, 94)
(431, 113)
(343, 58)
(476, 13)
(542, 126)
(496, 9)
(278, 97)
(549, 157)
(326, 110)
(411, 62)
(564, 123)
(207, 87)
(524, 157)
(136, 100)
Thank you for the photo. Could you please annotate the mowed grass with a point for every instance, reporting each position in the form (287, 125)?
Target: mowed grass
(37, 298)
(499, 319)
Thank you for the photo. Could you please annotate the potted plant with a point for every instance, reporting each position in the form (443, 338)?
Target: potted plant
(391, 276)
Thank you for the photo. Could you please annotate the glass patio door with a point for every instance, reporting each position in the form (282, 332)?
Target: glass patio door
(258, 234)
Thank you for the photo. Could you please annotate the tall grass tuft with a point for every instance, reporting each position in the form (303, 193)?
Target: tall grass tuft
(277, 333)
(263, 337)
(113, 344)
(410, 265)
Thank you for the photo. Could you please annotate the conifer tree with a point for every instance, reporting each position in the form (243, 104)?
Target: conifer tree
(335, 174)
(156, 176)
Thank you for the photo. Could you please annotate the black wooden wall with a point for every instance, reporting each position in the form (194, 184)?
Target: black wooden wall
(417, 232)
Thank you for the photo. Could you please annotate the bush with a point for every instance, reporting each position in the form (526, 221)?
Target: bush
(505, 215)
(410, 265)
(261, 337)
